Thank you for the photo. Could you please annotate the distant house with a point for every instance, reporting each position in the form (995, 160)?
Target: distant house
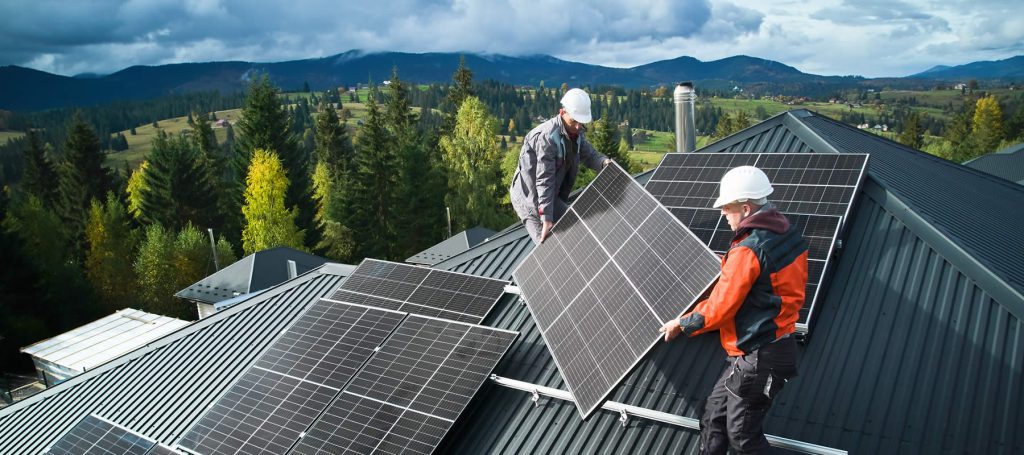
(253, 273)
(221, 123)
(72, 353)
(960, 86)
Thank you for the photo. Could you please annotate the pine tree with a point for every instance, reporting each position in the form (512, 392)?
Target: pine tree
(336, 240)
(372, 198)
(177, 186)
(268, 223)
(419, 203)
(40, 175)
(82, 178)
(108, 262)
(913, 131)
(604, 136)
(204, 139)
(461, 88)
(472, 157)
(333, 145)
(265, 124)
(987, 124)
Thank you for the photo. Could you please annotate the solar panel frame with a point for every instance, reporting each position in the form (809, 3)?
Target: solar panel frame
(254, 386)
(94, 434)
(412, 289)
(608, 259)
(405, 394)
(698, 188)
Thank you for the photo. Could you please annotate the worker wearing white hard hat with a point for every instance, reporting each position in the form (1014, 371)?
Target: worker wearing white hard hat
(754, 307)
(549, 162)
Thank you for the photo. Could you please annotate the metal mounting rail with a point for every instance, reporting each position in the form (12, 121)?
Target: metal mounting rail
(625, 410)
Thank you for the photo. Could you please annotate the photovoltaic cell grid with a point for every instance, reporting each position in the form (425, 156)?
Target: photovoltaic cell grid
(417, 290)
(815, 191)
(617, 265)
(95, 435)
(274, 401)
(411, 391)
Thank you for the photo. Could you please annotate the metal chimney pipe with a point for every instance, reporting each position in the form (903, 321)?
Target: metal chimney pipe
(686, 131)
(292, 270)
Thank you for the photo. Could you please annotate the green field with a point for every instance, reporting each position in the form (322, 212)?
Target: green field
(8, 135)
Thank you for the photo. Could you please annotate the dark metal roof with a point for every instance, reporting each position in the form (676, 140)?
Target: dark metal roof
(162, 388)
(451, 246)
(917, 347)
(254, 272)
(1007, 163)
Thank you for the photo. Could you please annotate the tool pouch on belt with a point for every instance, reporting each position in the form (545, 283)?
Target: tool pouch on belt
(763, 373)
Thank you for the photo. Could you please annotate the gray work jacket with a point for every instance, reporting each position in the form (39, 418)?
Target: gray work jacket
(548, 164)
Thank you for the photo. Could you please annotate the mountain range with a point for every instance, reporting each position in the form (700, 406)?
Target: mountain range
(24, 89)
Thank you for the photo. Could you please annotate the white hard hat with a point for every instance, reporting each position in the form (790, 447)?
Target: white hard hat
(577, 103)
(741, 184)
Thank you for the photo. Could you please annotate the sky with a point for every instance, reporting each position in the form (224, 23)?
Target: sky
(871, 38)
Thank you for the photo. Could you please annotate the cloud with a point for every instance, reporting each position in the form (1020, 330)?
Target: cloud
(871, 37)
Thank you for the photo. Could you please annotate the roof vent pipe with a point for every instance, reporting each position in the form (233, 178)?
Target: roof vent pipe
(292, 271)
(686, 131)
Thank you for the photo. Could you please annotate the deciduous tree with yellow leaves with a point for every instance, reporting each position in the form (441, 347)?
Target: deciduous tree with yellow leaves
(268, 223)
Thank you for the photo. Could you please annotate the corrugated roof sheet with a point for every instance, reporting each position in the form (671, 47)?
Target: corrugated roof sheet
(909, 353)
(1006, 164)
(159, 390)
(97, 342)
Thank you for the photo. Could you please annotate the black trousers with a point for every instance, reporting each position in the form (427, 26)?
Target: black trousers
(735, 410)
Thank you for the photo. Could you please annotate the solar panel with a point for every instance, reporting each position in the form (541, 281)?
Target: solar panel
(96, 435)
(418, 290)
(617, 265)
(161, 449)
(814, 190)
(277, 398)
(411, 391)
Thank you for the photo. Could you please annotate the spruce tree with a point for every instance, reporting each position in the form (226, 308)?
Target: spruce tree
(333, 145)
(82, 178)
(40, 175)
(461, 88)
(374, 180)
(913, 131)
(265, 124)
(177, 186)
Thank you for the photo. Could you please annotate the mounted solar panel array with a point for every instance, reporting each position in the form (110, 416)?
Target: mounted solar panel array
(277, 398)
(815, 191)
(410, 393)
(96, 435)
(616, 266)
(418, 290)
(419, 373)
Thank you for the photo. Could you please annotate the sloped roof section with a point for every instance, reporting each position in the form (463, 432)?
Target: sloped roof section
(161, 389)
(1006, 164)
(451, 246)
(917, 347)
(97, 342)
(254, 272)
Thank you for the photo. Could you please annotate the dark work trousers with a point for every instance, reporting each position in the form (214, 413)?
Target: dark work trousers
(740, 400)
(533, 223)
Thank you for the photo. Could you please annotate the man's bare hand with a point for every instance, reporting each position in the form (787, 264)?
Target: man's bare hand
(606, 162)
(546, 230)
(671, 329)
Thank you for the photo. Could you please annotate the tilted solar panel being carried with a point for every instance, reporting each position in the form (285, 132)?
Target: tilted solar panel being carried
(409, 394)
(291, 383)
(616, 266)
(96, 435)
(814, 190)
(418, 290)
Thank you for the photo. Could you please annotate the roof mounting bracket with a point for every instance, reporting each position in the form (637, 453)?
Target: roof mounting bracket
(512, 289)
(623, 417)
(536, 398)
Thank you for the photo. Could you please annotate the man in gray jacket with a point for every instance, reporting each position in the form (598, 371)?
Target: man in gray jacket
(549, 162)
